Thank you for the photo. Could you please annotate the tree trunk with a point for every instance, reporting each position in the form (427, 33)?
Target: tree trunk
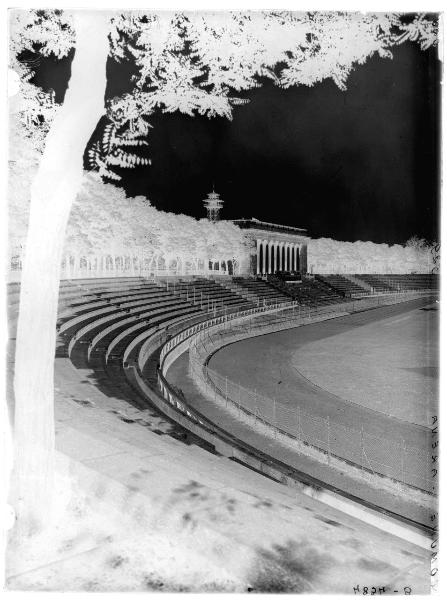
(53, 192)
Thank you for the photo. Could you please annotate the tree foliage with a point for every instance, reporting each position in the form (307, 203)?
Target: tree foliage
(201, 62)
(104, 221)
(332, 256)
(198, 62)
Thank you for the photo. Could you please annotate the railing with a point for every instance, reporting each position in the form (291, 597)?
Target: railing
(219, 318)
(373, 454)
(380, 456)
(292, 314)
(173, 398)
(107, 265)
(193, 293)
(224, 319)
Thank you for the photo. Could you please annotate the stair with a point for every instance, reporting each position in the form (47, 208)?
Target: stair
(358, 282)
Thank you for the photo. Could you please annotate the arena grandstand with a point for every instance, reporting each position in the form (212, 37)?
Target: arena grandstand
(195, 358)
(243, 358)
(120, 328)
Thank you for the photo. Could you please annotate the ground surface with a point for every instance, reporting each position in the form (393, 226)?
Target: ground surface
(390, 365)
(154, 513)
(150, 510)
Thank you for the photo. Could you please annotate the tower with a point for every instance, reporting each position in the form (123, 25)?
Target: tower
(213, 204)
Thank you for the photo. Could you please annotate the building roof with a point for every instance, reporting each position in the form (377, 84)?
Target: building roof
(257, 224)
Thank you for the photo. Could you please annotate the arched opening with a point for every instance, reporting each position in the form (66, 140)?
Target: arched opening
(261, 258)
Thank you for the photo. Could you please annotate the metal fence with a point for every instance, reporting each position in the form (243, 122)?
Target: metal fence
(396, 459)
(267, 319)
(222, 319)
(375, 455)
(131, 265)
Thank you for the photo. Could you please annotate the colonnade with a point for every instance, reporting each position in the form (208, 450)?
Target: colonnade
(272, 256)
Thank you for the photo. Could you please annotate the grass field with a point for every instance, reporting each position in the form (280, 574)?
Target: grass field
(390, 365)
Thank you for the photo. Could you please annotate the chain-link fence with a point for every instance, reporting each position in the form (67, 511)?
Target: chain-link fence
(381, 456)
(397, 460)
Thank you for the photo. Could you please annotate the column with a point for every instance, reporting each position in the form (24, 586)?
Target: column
(269, 261)
(280, 255)
(275, 250)
(264, 261)
(303, 258)
(258, 264)
(287, 258)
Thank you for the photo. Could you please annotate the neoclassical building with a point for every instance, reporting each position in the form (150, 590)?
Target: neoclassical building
(274, 247)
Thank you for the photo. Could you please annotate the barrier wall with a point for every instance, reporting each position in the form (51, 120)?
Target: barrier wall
(379, 456)
(178, 409)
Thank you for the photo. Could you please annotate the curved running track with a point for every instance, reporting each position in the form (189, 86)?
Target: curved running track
(265, 362)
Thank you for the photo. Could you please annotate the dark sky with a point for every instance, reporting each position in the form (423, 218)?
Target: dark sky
(356, 165)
